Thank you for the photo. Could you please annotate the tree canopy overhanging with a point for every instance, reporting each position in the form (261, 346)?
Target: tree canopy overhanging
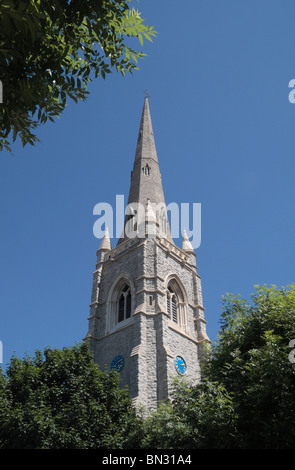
(51, 49)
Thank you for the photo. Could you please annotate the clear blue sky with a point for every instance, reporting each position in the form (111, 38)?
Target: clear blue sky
(217, 76)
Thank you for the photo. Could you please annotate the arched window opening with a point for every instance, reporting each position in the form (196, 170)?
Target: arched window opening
(172, 308)
(124, 304)
(121, 308)
(163, 221)
(177, 304)
(128, 304)
(146, 170)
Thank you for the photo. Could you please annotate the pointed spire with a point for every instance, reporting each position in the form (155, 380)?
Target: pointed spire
(146, 147)
(186, 244)
(146, 181)
(106, 241)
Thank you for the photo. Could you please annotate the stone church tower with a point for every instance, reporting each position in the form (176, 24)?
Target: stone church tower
(146, 314)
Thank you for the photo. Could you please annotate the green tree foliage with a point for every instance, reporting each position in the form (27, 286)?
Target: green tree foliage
(198, 417)
(246, 399)
(251, 359)
(60, 399)
(51, 49)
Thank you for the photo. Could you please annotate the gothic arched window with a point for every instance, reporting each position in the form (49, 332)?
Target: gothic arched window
(124, 303)
(176, 300)
(119, 304)
(163, 220)
(172, 307)
(146, 170)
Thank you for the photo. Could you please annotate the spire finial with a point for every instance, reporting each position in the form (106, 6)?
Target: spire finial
(146, 94)
(106, 241)
(186, 244)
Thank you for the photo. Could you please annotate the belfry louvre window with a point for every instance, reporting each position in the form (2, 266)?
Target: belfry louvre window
(146, 170)
(124, 304)
(172, 305)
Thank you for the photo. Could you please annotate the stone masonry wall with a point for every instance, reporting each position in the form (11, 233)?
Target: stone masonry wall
(149, 341)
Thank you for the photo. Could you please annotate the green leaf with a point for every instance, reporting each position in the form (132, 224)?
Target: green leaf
(47, 47)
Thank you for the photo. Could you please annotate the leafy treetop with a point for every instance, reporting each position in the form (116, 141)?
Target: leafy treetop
(51, 49)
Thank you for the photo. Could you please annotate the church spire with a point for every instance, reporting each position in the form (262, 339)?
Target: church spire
(146, 147)
(146, 182)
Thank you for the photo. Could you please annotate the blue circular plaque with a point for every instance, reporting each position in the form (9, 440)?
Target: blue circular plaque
(180, 365)
(117, 363)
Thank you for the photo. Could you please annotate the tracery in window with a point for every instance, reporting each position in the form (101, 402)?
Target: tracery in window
(176, 300)
(124, 304)
(119, 303)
